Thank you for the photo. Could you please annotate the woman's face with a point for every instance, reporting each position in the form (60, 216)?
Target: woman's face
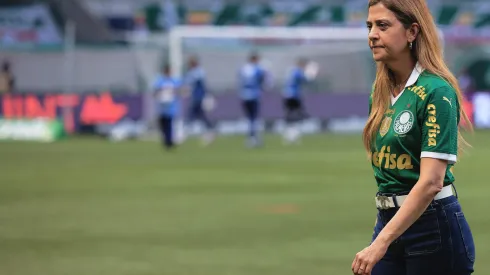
(388, 38)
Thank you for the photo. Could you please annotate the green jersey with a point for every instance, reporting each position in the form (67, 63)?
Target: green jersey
(422, 121)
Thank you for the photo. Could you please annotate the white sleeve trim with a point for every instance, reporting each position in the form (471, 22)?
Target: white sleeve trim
(449, 157)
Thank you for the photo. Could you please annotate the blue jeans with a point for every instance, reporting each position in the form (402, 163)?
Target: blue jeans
(440, 242)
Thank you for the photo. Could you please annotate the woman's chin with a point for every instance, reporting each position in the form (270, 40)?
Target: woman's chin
(378, 57)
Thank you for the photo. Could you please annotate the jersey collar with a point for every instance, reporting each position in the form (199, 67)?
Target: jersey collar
(416, 72)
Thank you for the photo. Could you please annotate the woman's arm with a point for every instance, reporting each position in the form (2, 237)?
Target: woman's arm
(432, 172)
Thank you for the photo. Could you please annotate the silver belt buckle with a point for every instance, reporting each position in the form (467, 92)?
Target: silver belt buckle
(382, 202)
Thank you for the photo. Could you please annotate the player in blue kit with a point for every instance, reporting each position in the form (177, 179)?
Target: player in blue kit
(302, 73)
(252, 78)
(195, 80)
(166, 93)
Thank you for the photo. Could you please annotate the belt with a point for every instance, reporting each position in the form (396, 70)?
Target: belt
(386, 202)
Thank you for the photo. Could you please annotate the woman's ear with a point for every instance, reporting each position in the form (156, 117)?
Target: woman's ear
(413, 32)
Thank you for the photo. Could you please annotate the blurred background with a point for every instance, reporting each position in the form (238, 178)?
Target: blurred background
(86, 189)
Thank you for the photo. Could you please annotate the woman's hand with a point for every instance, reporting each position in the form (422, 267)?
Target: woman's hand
(366, 259)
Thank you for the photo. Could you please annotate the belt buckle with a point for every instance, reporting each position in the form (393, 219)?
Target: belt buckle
(382, 202)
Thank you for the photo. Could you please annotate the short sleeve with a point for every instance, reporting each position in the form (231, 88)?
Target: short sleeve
(440, 125)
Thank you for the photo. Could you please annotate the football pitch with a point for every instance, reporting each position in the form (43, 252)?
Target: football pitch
(88, 206)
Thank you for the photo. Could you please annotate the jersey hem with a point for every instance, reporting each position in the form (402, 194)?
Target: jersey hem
(401, 189)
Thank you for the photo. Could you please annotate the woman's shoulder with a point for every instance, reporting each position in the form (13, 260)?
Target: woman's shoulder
(435, 84)
(437, 91)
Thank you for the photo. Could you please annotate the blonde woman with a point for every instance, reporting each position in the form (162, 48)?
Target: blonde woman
(412, 137)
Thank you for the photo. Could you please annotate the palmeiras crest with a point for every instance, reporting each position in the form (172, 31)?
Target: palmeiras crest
(385, 126)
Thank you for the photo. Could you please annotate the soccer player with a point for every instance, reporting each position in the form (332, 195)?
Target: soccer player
(252, 77)
(412, 136)
(166, 93)
(7, 80)
(293, 104)
(195, 80)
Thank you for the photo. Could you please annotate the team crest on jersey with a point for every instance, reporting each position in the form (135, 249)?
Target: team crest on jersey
(385, 126)
(403, 122)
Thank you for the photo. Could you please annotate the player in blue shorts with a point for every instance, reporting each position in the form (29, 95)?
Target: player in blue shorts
(166, 93)
(252, 79)
(195, 80)
(303, 72)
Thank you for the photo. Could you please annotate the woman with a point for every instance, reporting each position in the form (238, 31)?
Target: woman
(412, 137)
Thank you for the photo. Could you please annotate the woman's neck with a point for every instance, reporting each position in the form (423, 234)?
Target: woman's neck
(402, 69)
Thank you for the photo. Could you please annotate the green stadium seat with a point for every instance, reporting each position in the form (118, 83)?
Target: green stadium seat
(447, 15)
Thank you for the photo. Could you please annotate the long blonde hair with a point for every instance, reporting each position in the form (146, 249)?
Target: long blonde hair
(426, 50)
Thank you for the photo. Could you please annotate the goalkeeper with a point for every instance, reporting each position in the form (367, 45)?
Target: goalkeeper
(303, 72)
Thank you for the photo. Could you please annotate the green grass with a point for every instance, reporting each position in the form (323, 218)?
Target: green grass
(88, 206)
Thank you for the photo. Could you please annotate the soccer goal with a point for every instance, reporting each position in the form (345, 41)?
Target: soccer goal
(342, 55)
